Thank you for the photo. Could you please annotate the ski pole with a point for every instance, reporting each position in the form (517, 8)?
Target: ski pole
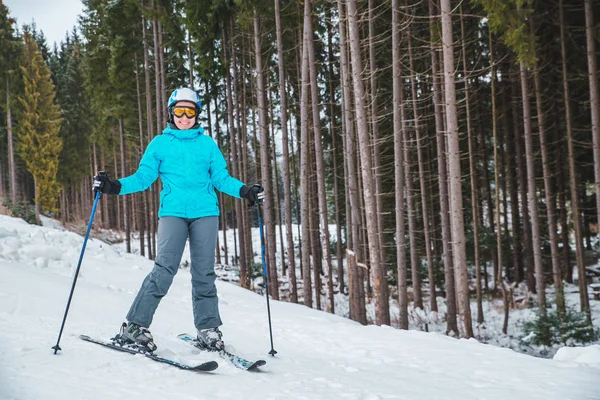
(87, 234)
(264, 262)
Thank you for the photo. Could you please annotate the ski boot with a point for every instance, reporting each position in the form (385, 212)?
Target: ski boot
(135, 337)
(210, 339)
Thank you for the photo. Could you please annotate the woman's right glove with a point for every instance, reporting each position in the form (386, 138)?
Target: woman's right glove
(104, 185)
(251, 193)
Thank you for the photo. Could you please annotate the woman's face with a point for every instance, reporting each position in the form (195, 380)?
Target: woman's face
(184, 122)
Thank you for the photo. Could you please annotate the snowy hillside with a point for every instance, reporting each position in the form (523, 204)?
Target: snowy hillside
(320, 356)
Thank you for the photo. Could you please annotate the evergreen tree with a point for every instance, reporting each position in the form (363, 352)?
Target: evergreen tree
(39, 144)
(72, 96)
(10, 51)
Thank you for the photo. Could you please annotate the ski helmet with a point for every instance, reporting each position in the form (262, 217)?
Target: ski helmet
(184, 94)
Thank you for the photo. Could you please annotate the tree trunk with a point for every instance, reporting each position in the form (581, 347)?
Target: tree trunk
(500, 282)
(457, 221)
(375, 134)
(379, 275)
(357, 310)
(287, 189)
(472, 173)
(304, 177)
(335, 155)
(12, 174)
(141, 211)
(532, 193)
(126, 211)
(550, 199)
(424, 206)
(268, 206)
(569, 131)
(575, 203)
(452, 325)
(398, 100)
(590, 34)
(320, 163)
(151, 206)
(244, 276)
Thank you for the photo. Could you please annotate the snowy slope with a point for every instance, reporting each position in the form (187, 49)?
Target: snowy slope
(320, 356)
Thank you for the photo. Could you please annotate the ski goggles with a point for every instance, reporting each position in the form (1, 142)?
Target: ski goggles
(189, 112)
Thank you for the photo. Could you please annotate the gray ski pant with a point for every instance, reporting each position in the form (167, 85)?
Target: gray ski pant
(172, 235)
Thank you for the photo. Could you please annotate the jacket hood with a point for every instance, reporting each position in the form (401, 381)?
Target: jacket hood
(184, 134)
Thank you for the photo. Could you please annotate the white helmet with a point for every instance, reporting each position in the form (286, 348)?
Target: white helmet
(184, 94)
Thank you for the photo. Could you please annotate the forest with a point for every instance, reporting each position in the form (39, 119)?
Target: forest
(423, 151)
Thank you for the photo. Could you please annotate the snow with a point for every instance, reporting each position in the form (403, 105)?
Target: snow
(320, 356)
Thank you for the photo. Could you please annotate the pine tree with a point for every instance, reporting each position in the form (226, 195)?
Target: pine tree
(38, 142)
(10, 50)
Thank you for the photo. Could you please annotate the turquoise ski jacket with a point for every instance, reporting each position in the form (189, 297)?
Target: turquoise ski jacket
(190, 166)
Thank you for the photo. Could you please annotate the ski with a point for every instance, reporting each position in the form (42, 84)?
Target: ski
(204, 367)
(235, 360)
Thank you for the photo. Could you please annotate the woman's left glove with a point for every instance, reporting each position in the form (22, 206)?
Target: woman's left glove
(252, 193)
(104, 185)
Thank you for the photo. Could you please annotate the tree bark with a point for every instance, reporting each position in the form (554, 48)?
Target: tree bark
(447, 258)
(472, 173)
(126, 211)
(532, 193)
(398, 100)
(457, 220)
(287, 188)
(355, 286)
(550, 199)
(379, 275)
(594, 98)
(320, 163)
(12, 174)
(575, 202)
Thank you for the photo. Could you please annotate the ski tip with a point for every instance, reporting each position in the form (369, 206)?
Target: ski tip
(254, 367)
(207, 366)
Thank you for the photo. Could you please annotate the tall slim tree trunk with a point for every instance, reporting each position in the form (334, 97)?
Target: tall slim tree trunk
(126, 211)
(497, 213)
(457, 220)
(550, 199)
(591, 38)
(415, 262)
(268, 206)
(423, 188)
(287, 188)
(472, 173)
(244, 276)
(379, 275)
(532, 193)
(320, 163)
(304, 177)
(398, 100)
(141, 211)
(575, 202)
(12, 174)
(375, 132)
(335, 154)
(447, 258)
(355, 286)
(151, 210)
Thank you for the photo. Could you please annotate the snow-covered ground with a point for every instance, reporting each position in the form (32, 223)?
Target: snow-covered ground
(320, 356)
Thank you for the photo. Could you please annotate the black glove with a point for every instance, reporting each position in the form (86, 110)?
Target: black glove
(104, 185)
(252, 194)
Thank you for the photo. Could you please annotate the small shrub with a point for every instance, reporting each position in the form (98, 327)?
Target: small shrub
(22, 210)
(550, 329)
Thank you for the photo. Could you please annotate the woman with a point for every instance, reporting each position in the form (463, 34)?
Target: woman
(190, 166)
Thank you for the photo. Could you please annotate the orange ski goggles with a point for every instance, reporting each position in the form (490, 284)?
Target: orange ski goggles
(189, 112)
